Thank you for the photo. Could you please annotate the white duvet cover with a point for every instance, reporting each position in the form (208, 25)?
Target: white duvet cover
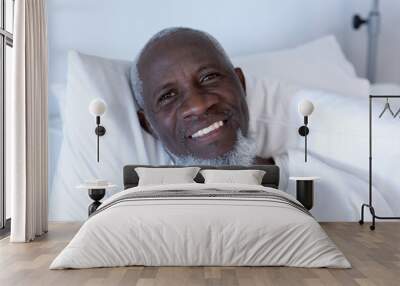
(201, 224)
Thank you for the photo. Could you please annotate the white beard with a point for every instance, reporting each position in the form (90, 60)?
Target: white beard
(243, 154)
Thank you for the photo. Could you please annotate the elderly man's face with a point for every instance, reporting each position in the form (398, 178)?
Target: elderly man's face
(194, 100)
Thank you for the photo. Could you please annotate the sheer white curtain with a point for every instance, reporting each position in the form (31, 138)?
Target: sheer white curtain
(26, 121)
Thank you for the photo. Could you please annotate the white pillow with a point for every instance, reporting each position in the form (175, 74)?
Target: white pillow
(124, 143)
(165, 176)
(247, 177)
(269, 101)
(319, 64)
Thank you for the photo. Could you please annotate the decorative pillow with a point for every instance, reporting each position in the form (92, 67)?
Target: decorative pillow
(163, 176)
(247, 177)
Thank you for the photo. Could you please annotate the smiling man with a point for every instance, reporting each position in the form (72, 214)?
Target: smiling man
(193, 99)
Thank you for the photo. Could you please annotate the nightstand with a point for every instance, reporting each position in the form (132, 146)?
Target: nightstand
(305, 190)
(96, 192)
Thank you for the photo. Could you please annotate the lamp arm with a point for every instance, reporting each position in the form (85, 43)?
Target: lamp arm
(98, 147)
(98, 138)
(305, 149)
(305, 139)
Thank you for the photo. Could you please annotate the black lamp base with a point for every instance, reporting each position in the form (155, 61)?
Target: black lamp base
(303, 130)
(96, 195)
(100, 130)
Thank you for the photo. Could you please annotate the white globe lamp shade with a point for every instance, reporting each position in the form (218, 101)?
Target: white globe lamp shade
(97, 107)
(306, 107)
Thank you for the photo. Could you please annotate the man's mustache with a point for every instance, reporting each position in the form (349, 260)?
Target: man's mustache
(212, 113)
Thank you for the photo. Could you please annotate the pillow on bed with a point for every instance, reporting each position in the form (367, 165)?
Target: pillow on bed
(164, 176)
(319, 64)
(247, 177)
(124, 143)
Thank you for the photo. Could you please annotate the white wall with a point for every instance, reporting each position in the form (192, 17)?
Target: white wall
(119, 28)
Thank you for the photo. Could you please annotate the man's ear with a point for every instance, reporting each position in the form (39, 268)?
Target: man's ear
(241, 77)
(145, 123)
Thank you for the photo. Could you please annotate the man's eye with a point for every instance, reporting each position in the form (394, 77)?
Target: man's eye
(166, 96)
(209, 77)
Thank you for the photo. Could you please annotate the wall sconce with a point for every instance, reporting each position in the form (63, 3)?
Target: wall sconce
(306, 107)
(97, 108)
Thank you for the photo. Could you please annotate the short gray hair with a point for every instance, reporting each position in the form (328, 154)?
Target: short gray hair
(137, 83)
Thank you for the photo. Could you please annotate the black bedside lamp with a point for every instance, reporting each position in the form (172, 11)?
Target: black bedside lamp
(306, 107)
(97, 108)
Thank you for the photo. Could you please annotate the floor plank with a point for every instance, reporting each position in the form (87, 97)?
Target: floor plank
(374, 255)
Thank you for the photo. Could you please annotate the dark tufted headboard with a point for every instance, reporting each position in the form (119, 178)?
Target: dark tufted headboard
(270, 179)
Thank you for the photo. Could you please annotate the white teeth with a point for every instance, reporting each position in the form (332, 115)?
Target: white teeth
(208, 129)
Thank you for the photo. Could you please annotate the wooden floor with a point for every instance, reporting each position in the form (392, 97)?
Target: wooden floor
(374, 255)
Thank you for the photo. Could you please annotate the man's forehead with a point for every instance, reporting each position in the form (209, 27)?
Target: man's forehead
(185, 58)
(178, 48)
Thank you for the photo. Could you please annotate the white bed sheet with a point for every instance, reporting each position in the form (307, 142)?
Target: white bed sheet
(206, 231)
(338, 146)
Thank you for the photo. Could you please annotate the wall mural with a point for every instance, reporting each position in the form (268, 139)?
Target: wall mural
(183, 100)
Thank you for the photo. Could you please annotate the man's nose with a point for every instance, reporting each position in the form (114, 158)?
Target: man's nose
(197, 103)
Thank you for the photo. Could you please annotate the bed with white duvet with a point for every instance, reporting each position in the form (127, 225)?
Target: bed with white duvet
(198, 224)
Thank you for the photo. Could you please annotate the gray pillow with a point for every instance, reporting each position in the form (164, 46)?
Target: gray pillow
(163, 176)
(248, 177)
